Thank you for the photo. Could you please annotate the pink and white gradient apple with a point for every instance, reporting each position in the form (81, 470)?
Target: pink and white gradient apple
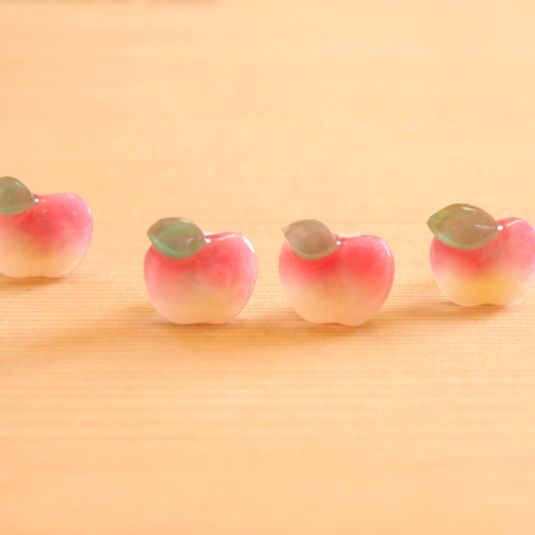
(330, 278)
(194, 277)
(477, 260)
(41, 235)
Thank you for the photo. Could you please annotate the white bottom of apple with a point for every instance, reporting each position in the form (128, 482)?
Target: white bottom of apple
(210, 308)
(489, 290)
(349, 310)
(19, 267)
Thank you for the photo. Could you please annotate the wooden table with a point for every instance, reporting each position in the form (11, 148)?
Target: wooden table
(246, 115)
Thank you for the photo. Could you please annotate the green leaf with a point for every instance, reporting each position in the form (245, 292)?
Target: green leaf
(176, 237)
(310, 239)
(463, 226)
(15, 197)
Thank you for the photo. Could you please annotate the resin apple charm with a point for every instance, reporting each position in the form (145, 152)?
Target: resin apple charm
(194, 277)
(330, 278)
(477, 260)
(41, 235)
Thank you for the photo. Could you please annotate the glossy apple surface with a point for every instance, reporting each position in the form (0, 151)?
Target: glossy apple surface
(347, 286)
(498, 272)
(210, 285)
(48, 239)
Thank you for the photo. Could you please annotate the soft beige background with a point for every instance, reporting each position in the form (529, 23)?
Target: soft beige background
(245, 115)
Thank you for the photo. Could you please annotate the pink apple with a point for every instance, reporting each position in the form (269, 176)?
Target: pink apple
(194, 277)
(477, 260)
(41, 235)
(331, 278)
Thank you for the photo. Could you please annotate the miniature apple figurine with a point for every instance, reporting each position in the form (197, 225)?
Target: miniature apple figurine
(193, 277)
(41, 235)
(331, 278)
(477, 260)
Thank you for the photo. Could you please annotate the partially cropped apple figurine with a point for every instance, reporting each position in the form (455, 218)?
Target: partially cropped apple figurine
(193, 277)
(41, 235)
(477, 260)
(331, 278)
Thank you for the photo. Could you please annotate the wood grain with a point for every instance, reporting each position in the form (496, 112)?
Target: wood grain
(245, 116)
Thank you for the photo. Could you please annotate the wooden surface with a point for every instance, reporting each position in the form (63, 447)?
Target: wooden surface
(245, 115)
